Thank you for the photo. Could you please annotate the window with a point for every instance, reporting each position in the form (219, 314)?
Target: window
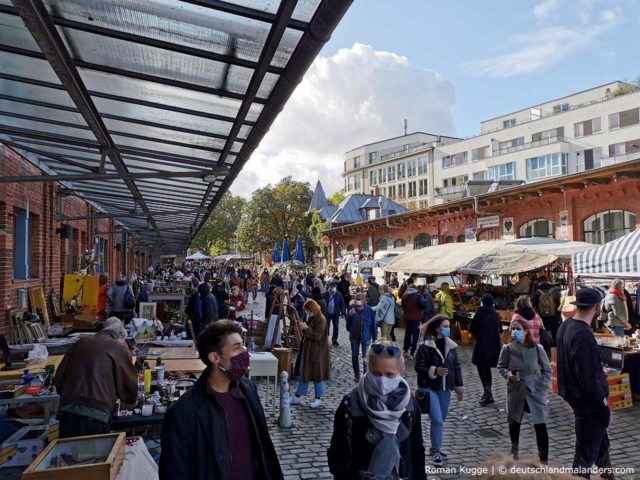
(101, 248)
(461, 239)
(561, 107)
(402, 171)
(399, 244)
(381, 244)
(357, 181)
(349, 184)
(479, 153)
(421, 241)
(510, 144)
(350, 248)
(423, 187)
(372, 157)
(411, 168)
(547, 165)
(364, 246)
(22, 244)
(356, 161)
(422, 165)
(506, 171)
(509, 123)
(453, 181)
(624, 119)
(625, 148)
(453, 160)
(383, 191)
(392, 192)
(391, 173)
(548, 134)
(590, 159)
(589, 127)
(603, 227)
(382, 175)
(482, 175)
(373, 177)
(412, 189)
(540, 227)
(448, 239)
(402, 191)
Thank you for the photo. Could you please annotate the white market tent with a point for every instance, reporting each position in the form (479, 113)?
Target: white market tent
(617, 259)
(499, 257)
(198, 256)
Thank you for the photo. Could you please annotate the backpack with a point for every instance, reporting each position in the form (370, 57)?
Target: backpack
(546, 304)
(129, 299)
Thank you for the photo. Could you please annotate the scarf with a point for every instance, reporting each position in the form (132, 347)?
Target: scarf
(618, 293)
(386, 433)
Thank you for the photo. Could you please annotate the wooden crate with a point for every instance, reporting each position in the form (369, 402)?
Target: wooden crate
(113, 454)
(284, 356)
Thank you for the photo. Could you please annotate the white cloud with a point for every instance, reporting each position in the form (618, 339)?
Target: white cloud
(357, 96)
(545, 7)
(539, 50)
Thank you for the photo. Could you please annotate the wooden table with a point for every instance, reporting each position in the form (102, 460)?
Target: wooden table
(32, 367)
(171, 353)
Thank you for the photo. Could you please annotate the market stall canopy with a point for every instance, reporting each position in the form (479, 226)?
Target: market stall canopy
(500, 257)
(198, 256)
(617, 259)
(150, 109)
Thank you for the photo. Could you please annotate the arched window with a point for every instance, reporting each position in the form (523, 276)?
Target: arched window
(399, 244)
(461, 239)
(421, 241)
(382, 244)
(449, 239)
(605, 226)
(364, 246)
(350, 248)
(540, 227)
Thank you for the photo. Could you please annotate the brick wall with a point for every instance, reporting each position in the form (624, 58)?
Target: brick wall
(50, 254)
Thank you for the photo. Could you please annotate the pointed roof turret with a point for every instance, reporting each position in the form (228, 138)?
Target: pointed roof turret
(319, 200)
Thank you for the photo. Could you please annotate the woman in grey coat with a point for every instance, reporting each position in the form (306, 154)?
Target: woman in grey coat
(615, 305)
(527, 370)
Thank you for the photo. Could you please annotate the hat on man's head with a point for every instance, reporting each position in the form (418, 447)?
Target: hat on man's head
(587, 297)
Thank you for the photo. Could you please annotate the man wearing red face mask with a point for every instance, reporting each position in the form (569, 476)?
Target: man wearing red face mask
(218, 428)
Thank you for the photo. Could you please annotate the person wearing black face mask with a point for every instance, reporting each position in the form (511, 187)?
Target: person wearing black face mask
(218, 428)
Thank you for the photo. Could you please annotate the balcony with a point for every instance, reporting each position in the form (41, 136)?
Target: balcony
(407, 151)
(609, 161)
(528, 146)
(452, 192)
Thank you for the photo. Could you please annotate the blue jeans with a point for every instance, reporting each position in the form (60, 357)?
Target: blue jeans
(617, 331)
(303, 388)
(356, 346)
(335, 319)
(411, 334)
(438, 409)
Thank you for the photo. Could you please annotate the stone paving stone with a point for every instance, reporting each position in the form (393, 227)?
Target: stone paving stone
(310, 435)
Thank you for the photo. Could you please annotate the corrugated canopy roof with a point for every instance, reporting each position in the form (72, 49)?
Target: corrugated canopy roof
(131, 103)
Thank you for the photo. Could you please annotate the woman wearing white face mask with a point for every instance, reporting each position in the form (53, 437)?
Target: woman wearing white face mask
(439, 373)
(377, 431)
(526, 367)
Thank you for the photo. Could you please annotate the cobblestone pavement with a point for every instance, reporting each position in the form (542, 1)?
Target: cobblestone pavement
(472, 436)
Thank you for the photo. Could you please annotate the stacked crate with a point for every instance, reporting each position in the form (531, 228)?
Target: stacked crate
(619, 391)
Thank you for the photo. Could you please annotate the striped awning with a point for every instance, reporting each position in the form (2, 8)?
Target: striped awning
(619, 258)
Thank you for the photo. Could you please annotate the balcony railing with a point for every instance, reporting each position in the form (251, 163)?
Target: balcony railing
(609, 161)
(405, 151)
(454, 161)
(527, 146)
(452, 190)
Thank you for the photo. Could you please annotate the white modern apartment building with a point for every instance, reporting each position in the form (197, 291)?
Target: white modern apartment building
(582, 131)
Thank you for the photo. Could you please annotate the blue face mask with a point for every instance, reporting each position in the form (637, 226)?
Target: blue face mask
(445, 332)
(517, 335)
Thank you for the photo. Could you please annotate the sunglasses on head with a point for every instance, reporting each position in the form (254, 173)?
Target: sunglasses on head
(392, 350)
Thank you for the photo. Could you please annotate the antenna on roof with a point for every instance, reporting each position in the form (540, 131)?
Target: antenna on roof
(405, 126)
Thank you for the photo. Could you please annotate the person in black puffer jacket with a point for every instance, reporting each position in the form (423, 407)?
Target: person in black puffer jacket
(486, 328)
(439, 373)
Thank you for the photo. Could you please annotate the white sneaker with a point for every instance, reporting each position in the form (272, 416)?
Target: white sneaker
(295, 400)
(315, 403)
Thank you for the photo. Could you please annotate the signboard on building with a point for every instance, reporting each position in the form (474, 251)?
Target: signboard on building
(508, 232)
(488, 222)
(326, 241)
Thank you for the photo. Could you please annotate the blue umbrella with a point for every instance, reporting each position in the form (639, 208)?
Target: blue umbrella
(276, 254)
(299, 253)
(286, 256)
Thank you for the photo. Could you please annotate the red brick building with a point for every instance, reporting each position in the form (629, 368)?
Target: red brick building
(595, 206)
(48, 256)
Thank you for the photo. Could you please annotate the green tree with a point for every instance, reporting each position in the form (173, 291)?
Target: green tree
(218, 234)
(337, 197)
(315, 229)
(273, 214)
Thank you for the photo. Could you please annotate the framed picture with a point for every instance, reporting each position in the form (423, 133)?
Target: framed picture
(148, 310)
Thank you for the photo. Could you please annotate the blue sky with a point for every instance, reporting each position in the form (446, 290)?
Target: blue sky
(445, 65)
(445, 36)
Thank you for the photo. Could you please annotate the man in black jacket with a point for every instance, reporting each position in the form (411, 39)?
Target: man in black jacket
(582, 383)
(218, 428)
(377, 431)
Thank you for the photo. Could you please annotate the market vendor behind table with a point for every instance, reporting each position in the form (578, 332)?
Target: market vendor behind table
(94, 373)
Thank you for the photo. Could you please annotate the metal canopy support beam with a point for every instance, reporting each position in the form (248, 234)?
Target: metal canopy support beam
(128, 215)
(109, 176)
(35, 16)
(52, 156)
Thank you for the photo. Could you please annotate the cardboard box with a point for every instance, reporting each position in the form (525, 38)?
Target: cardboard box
(24, 446)
(106, 452)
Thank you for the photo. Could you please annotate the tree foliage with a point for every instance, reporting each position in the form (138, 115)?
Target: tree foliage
(273, 214)
(218, 234)
(337, 197)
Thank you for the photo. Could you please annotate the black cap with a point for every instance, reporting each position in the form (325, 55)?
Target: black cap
(587, 297)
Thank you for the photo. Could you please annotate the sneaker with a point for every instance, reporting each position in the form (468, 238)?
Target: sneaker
(334, 343)
(442, 454)
(315, 403)
(295, 400)
(438, 461)
(412, 356)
